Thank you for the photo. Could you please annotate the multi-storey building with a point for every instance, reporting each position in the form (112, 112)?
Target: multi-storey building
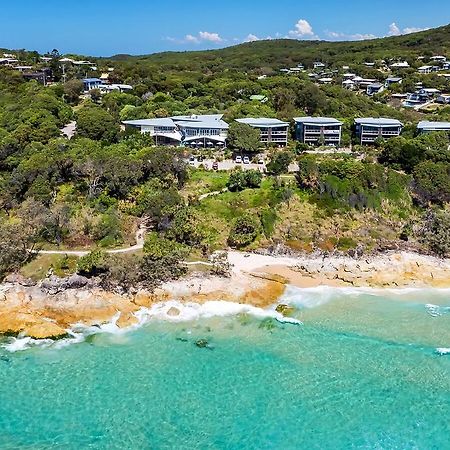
(318, 130)
(272, 131)
(369, 129)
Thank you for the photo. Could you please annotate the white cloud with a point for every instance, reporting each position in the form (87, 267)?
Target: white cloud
(413, 30)
(349, 37)
(190, 38)
(394, 30)
(303, 29)
(251, 38)
(210, 37)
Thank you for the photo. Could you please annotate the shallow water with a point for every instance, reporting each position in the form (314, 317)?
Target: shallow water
(361, 371)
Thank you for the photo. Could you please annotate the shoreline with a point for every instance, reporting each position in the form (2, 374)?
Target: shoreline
(257, 280)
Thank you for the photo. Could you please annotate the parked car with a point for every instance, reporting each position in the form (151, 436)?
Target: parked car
(261, 161)
(192, 161)
(246, 160)
(215, 165)
(238, 159)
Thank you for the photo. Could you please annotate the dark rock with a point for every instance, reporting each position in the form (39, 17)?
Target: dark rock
(17, 278)
(202, 343)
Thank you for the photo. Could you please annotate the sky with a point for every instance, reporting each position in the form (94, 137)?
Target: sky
(147, 26)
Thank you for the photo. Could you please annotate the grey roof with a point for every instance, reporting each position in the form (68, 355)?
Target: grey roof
(201, 121)
(165, 122)
(378, 122)
(394, 79)
(92, 80)
(375, 85)
(433, 126)
(262, 122)
(317, 120)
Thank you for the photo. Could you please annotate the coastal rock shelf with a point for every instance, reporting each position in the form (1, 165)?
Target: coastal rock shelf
(46, 310)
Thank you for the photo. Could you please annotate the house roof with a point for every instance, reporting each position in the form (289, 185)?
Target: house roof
(201, 121)
(317, 121)
(433, 126)
(92, 80)
(394, 79)
(164, 122)
(262, 122)
(375, 86)
(378, 122)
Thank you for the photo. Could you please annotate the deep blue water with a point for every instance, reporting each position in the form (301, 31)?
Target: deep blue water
(362, 371)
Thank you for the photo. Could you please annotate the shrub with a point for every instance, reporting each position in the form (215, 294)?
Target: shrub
(436, 231)
(92, 264)
(244, 231)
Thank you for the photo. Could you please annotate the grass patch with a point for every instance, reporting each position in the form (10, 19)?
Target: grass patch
(61, 265)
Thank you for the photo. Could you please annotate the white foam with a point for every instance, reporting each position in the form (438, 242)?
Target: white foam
(188, 312)
(443, 351)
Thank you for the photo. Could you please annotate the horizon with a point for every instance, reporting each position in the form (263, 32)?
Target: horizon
(140, 29)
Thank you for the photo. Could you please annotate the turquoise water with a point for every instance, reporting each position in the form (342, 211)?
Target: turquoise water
(362, 371)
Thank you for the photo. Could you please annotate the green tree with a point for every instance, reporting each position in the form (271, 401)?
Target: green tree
(279, 163)
(95, 123)
(72, 90)
(244, 137)
(244, 231)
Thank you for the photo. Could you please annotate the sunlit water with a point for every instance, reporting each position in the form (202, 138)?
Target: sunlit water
(361, 371)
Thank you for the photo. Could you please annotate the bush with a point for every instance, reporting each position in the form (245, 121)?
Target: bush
(436, 231)
(279, 164)
(239, 180)
(244, 231)
(93, 264)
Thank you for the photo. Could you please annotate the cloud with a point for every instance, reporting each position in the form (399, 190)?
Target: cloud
(251, 38)
(303, 29)
(202, 36)
(413, 30)
(349, 37)
(210, 37)
(394, 30)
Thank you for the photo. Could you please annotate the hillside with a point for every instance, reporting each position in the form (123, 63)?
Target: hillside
(286, 52)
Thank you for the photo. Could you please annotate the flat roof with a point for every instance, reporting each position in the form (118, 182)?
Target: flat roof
(92, 80)
(378, 122)
(164, 122)
(317, 120)
(261, 122)
(433, 126)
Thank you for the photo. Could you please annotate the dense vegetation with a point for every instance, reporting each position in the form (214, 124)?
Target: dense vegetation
(94, 191)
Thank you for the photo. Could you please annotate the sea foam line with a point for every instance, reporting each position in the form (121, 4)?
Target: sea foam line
(184, 312)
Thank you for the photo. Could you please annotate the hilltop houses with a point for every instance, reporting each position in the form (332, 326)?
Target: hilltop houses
(273, 131)
(91, 83)
(202, 130)
(369, 129)
(318, 130)
(429, 127)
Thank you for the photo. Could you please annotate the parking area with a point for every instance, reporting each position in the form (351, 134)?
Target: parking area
(230, 164)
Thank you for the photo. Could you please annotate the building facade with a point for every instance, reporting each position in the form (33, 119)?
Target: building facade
(430, 127)
(272, 131)
(318, 130)
(193, 131)
(369, 129)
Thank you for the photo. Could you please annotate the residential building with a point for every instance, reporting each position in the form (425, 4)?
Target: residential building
(431, 92)
(446, 66)
(164, 131)
(349, 84)
(429, 127)
(201, 131)
(438, 58)
(375, 88)
(318, 130)
(400, 65)
(416, 100)
(424, 69)
(91, 83)
(105, 88)
(325, 80)
(444, 99)
(393, 80)
(273, 131)
(319, 65)
(369, 129)
(259, 98)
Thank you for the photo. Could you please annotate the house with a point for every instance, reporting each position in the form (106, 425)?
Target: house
(196, 131)
(429, 127)
(369, 64)
(369, 129)
(318, 130)
(273, 131)
(424, 69)
(348, 76)
(325, 80)
(438, 58)
(164, 131)
(259, 98)
(393, 80)
(105, 88)
(375, 88)
(40, 76)
(416, 100)
(431, 92)
(91, 83)
(400, 65)
(319, 65)
(349, 84)
(446, 66)
(444, 99)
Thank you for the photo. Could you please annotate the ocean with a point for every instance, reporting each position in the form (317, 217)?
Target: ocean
(350, 368)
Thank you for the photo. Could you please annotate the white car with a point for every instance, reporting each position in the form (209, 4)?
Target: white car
(246, 160)
(238, 160)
